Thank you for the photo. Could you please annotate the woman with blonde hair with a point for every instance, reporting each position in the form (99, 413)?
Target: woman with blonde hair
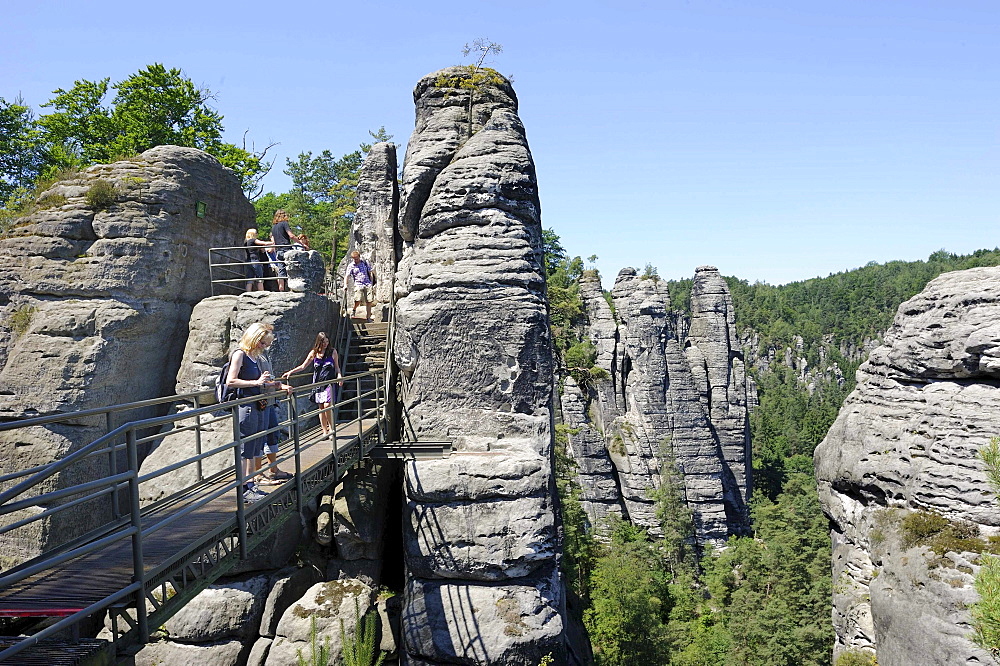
(326, 366)
(255, 259)
(246, 375)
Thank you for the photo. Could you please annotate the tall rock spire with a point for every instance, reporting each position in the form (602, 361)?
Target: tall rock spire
(656, 405)
(473, 346)
(716, 361)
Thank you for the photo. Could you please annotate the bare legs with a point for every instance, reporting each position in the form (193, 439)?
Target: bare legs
(326, 417)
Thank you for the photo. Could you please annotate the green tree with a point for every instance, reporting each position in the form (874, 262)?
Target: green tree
(553, 252)
(153, 107)
(21, 159)
(628, 591)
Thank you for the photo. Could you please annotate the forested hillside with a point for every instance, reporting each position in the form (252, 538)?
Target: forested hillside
(765, 599)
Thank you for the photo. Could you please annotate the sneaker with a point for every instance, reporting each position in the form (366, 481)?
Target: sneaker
(252, 495)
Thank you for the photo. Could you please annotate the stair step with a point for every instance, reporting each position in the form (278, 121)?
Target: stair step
(84, 652)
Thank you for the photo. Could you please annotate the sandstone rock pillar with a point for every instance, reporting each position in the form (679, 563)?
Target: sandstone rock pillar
(472, 343)
(716, 361)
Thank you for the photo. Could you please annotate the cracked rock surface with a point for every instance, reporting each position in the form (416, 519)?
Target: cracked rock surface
(908, 439)
(89, 294)
(472, 343)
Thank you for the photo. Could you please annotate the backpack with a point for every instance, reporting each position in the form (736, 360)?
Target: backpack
(222, 392)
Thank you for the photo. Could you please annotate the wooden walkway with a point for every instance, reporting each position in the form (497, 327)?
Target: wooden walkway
(79, 583)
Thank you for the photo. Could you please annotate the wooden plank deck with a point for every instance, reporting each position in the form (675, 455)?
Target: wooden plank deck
(80, 582)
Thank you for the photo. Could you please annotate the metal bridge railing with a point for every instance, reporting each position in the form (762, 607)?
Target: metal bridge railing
(227, 267)
(168, 584)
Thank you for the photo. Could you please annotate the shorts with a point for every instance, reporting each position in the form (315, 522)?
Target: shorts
(363, 293)
(252, 421)
(271, 446)
(255, 271)
(279, 265)
(326, 395)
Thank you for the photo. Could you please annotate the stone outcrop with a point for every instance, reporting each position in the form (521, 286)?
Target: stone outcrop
(585, 443)
(373, 231)
(660, 402)
(95, 299)
(907, 439)
(472, 344)
(328, 605)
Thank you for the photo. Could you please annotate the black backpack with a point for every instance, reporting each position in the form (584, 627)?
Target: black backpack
(224, 393)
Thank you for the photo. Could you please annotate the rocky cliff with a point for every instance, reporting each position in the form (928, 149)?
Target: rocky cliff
(373, 230)
(93, 288)
(472, 342)
(904, 448)
(667, 397)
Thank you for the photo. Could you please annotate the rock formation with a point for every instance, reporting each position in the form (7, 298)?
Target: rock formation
(907, 439)
(373, 231)
(91, 292)
(472, 343)
(716, 360)
(666, 397)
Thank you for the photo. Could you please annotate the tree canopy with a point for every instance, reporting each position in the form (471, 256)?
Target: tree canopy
(152, 107)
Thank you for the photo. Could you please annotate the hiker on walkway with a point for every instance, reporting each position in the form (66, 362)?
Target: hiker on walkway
(360, 271)
(281, 236)
(255, 259)
(245, 373)
(272, 474)
(326, 367)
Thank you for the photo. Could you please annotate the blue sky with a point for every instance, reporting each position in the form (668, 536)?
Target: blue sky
(776, 140)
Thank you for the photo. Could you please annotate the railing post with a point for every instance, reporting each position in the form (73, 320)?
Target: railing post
(112, 467)
(357, 401)
(138, 568)
(293, 416)
(379, 410)
(241, 521)
(211, 273)
(197, 438)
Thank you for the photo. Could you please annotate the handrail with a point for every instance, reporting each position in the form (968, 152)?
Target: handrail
(95, 411)
(134, 528)
(227, 267)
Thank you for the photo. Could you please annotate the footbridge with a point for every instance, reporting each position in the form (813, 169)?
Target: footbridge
(133, 561)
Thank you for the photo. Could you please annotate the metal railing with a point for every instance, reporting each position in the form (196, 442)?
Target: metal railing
(132, 524)
(227, 267)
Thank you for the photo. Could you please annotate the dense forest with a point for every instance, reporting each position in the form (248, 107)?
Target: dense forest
(765, 600)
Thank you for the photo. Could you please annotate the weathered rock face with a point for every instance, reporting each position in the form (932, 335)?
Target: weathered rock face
(586, 444)
(713, 352)
(94, 302)
(656, 403)
(908, 439)
(472, 342)
(373, 231)
(328, 604)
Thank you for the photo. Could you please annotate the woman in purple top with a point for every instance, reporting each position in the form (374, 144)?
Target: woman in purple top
(326, 366)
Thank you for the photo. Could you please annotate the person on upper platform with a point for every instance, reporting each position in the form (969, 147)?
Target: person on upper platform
(281, 236)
